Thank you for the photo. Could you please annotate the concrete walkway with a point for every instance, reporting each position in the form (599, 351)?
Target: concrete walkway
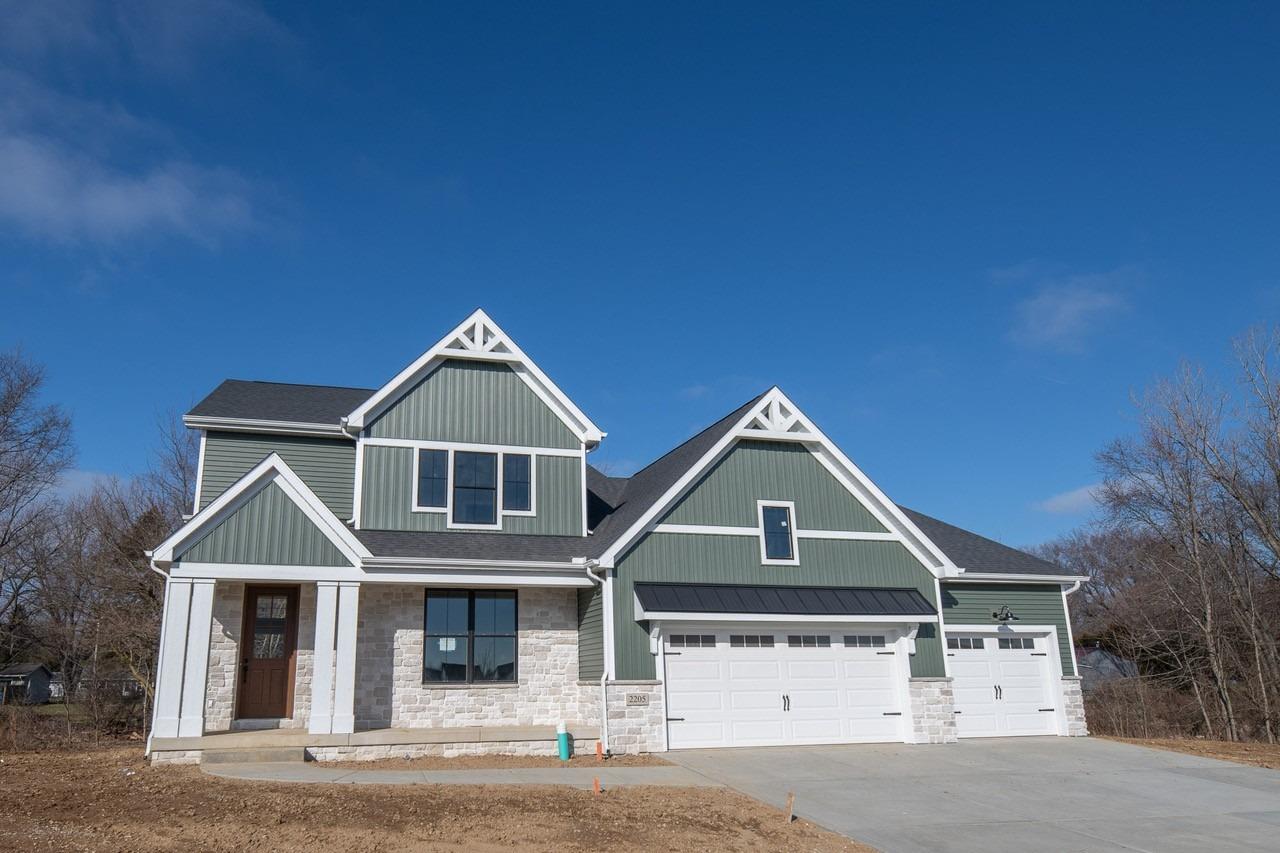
(1012, 795)
(350, 773)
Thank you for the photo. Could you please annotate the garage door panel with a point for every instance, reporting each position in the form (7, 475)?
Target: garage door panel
(753, 669)
(732, 695)
(1029, 668)
(961, 668)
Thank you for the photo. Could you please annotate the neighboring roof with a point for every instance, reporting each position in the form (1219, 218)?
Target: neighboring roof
(280, 401)
(650, 483)
(783, 600)
(20, 669)
(457, 545)
(975, 553)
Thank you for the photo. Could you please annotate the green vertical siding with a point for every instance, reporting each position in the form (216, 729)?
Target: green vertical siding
(387, 500)
(326, 465)
(772, 470)
(590, 634)
(1033, 604)
(694, 558)
(474, 401)
(269, 529)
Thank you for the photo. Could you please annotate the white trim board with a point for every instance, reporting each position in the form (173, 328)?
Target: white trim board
(205, 422)
(462, 576)
(998, 577)
(477, 338)
(801, 533)
(273, 469)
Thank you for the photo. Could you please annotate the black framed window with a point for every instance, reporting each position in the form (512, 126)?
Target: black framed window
(469, 637)
(517, 482)
(433, 477)
(777, 533)
(475, 487)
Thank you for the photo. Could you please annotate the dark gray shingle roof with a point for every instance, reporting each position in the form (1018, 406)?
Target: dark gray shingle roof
(281, 401)
(16, 669)
(978, 553)
(783, 600)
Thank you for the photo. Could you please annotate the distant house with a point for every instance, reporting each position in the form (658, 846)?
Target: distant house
(1098, 666)
(24, 684)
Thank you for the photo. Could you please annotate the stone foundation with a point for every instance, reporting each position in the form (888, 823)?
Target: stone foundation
(933, 718)
(444, 750)
(189, 756)
(635, 728)
(1073, 701)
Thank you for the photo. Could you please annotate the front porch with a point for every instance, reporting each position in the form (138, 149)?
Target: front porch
(355, 681)
(374, 743)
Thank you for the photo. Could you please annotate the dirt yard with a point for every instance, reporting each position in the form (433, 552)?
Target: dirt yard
(111, 800)
(1257, 754)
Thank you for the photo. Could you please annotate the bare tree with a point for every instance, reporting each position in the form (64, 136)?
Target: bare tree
(35, 451)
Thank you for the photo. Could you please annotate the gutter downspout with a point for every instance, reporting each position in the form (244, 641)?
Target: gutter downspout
(604, 656)
(164, 614)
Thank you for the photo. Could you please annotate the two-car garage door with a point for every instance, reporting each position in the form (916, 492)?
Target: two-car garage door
(759, 687)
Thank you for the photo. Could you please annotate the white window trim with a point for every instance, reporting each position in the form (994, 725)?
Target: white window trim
(450, 450)
(791, 529)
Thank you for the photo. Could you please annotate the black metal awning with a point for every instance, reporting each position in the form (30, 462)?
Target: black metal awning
(808, 601)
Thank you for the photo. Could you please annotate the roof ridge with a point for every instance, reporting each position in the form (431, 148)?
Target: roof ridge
(699, 433)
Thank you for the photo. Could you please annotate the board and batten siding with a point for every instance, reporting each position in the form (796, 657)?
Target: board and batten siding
(387, 500)
(770, 470)
(1033, 604)
(701, 558)
(326, 465)
(270, 530)
(476, 402)
(590, 634)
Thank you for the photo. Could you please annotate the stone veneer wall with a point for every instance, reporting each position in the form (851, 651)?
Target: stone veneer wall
(389, 686)
(224, 657)
(1077, 726)
(635, 728)
(933, 718)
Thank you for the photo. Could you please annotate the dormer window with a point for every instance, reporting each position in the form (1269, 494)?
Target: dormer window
(475, 488)
(777, 533)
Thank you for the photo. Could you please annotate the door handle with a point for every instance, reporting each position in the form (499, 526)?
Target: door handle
(999, 692)
(786, 702)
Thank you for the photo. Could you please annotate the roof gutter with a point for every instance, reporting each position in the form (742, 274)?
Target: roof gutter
(1005, 577)
(207, 422)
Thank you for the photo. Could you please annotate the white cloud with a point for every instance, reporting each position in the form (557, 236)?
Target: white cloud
(1075, 502)
(77, 169)
(1064, 313)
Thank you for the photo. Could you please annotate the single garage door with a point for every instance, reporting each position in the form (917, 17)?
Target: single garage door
(754, 687)
(1001, 685)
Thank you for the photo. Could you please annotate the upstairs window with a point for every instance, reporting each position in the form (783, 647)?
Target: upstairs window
(475, 488)
(517, 482)
(433, 478)
(777, 532)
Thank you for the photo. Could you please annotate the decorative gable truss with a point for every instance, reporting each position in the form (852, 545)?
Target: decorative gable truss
(776, 418)
(270, 471)
(477, 338)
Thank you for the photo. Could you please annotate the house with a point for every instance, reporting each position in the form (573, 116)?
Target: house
(24, 684)
(433, 566)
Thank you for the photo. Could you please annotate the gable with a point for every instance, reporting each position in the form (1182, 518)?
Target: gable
(268, 529)
(477, 402)
(769, 470)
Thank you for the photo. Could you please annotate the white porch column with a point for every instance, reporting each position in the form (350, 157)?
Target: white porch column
(344, 677)
(321, 722)
(196, 670)
(173, 652)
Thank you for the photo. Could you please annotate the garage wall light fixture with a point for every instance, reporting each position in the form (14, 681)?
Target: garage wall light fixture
(1004, 614)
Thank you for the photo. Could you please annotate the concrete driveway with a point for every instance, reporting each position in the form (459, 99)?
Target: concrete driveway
(1015, 794)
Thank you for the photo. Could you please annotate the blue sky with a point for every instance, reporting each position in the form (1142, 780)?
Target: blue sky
(960, 237)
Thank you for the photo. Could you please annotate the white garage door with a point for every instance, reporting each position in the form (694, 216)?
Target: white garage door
(753, 687)
(1001, 685)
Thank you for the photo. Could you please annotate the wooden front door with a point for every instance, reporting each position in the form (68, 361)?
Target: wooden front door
(267, 651)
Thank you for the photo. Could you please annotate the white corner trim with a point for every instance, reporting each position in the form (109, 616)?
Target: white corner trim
(478, 338)
(269, 470)
(765, 559)
(199, 472)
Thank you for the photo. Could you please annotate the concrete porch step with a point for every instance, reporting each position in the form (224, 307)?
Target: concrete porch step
(259, 755)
